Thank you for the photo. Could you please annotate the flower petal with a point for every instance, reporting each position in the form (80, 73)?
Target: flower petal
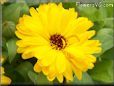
(60, 78)
(49, 58)
(60, 62)
(78, 73)
(37, 67)
(5, 80)
(45, 70)
(68, 73)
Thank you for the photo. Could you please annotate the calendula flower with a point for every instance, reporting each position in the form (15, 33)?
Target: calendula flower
(59, 40)
(4, 79)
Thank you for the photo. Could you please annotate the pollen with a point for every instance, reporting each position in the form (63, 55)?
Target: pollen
(58, 42)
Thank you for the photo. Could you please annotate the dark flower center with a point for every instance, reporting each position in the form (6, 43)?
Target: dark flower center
(58, 42)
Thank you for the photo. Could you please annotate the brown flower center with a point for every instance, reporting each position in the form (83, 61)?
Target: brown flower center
(58, 42)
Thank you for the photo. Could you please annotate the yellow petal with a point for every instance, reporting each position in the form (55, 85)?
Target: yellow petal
(32, 41)
(73, 40)
(40, 51)
(2, 59)
(75, 50)
(43, 8)
(78, 64)
(68, 73)
(34, 12)
(68, 21)
(31, 29)
(49, 58)
(60, 62)
(27, 55)
(60, 78)
(5, 80)
(2, 70)
(90, 66)
(91, 58)
(45, 70)
(78, 26)
(52, 70)
(78, 73)
(37, 67)
(83, 24)
(91, 46)
(21, 49)
(22, 29)
(92, 42)
(50, 78)
(54, 21)
(88, 34)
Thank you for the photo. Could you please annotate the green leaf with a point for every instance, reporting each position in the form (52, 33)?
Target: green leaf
(24, 7)
(86, 79)
(105, 12)
(102, 13)
(98, 25)
(38, 79)
(11, 12)
(8, 29)
(108, 22)
(91, 12)
(3, 45)
(32, 2)
(12, 73)
(69, 5)
(110, 12)
(106, 16)
(11, 46)
(23, 69)
(108, 54)
(103, 71)
(105, 36)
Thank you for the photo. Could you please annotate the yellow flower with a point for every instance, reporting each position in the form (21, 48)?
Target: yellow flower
(4, 79)
(59, 40)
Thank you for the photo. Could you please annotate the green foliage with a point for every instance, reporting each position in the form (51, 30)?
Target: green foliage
(38, 79)
(13, 11)
(12, 73)
(69, 5)
(24, 8)
(90, 12)
(12, 49)
(106, 38)
(109, 54)
(8, 29)
(12, 14)
(23, 69)
(103, 71)
(86, 79)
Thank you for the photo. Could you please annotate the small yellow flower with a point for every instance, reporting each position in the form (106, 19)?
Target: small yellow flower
(4, 80)
(59, 40)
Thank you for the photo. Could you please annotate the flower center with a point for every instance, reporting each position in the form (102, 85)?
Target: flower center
(58, 42)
